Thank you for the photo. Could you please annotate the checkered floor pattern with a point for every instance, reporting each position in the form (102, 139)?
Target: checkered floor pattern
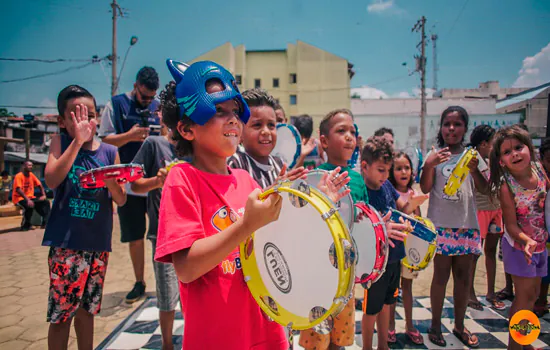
(141, 329)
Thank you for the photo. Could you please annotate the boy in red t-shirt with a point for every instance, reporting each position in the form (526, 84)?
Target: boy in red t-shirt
(207, 210)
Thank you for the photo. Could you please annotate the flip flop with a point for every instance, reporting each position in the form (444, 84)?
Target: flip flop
(436, 337)
(392, 337)
(503, 294)
(467, 338)
(415, 337)
(476, 305)
(496, 304)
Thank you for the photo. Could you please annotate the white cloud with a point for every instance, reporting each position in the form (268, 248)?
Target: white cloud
(402, 94)
(429, 92)
(384, 7)
(535, 69)
(367, 92)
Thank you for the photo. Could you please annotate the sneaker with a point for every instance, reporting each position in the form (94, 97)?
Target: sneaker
(136, 293)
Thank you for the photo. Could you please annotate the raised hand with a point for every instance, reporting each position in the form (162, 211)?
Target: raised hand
(332, 182)
(161, 177)
(309, 146)
(438, 157)
(84, 128)
(294, 174)
(138, 133)
(416, 200)
(473, 163)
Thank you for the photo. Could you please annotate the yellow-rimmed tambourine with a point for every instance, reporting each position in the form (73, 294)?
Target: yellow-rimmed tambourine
(460, 172)
(300, 268)
(170, 165)
(420, 243)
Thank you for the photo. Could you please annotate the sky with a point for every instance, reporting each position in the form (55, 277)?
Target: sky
(479, 40)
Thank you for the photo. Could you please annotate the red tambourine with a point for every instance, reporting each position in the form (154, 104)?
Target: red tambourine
(123, 173)
(371, 239)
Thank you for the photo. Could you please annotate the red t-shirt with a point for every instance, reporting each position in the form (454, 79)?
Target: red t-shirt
(219, 311)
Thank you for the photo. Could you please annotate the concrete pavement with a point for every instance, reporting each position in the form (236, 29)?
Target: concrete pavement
(24, 287)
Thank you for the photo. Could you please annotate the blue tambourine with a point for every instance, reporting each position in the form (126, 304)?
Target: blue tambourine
(289, 144)
(355, 156)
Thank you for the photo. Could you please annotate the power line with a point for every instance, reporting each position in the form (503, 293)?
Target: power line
(458, 17)
(52, 73)
(93, 59)
(30, 107)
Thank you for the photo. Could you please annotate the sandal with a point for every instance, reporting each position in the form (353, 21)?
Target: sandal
(476, 305)
(467, 338)
(504, 294)
(496, 304)
(392, 337)
(415, 337)
(436, 337)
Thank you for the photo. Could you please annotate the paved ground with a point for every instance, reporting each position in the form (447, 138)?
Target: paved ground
(24, 287)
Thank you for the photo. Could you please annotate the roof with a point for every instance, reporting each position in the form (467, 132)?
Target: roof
(274, 50)
(522, 96)
(39, 158)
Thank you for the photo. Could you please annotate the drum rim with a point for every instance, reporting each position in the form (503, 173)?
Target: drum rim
(298, 140)
(345, 276)
(110, 167)
(362, 205)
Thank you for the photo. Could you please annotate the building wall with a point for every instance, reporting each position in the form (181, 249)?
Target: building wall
(488, 89)
(407, 127)
(535, 111)
(322, 84)
(411, 106)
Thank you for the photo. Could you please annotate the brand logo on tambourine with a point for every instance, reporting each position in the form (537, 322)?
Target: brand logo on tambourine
(277, 268)
(414, 255)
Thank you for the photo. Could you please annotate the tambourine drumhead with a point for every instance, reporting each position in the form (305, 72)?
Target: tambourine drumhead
(344, 206)
(300, 268)
(371, 241)
(289, 144)
(420, 244)
(94, 178)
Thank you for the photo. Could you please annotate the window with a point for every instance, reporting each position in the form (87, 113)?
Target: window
(293, 100)
(238, 79)
(257, 83)
(293, 78)
(275, 82)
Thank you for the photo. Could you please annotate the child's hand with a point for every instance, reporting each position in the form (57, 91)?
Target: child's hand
(259, 213)
(416, 200)
(529, 249)
(397, 231)
(473, 163)
(438, 157)
(83, 127)
(294, 174)
(161, 176)
(309, 146)
(332, 182)
(111, 183)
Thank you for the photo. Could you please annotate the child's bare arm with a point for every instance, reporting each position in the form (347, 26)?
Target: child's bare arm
(410, 206)
(59, 165)
(117, 191)
(206, 253)
(145, 185)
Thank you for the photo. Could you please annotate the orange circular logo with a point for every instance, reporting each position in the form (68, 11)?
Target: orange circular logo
(524, 327)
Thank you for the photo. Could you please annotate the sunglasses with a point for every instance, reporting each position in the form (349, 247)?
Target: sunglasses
(145, 97)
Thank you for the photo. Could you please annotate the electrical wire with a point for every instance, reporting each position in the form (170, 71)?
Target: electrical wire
(458, 17)
(48, 61)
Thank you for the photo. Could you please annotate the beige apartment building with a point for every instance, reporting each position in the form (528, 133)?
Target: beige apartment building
(303, 78)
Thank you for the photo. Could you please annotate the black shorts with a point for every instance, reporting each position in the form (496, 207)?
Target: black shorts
(132, 219)
(384, 291)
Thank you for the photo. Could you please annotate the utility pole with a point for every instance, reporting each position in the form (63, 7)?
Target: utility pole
(116, 10)
(421, 67)
(435, 68)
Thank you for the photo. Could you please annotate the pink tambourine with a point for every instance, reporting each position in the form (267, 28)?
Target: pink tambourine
(123, 173)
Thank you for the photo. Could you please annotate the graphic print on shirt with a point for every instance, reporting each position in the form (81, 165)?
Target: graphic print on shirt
(447, 170)
(84, 205)
(222, 219)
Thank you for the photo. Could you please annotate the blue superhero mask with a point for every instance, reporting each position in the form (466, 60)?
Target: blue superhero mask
(191, 94)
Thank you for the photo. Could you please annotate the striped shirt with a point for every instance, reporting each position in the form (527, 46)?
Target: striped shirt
(264, 174)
